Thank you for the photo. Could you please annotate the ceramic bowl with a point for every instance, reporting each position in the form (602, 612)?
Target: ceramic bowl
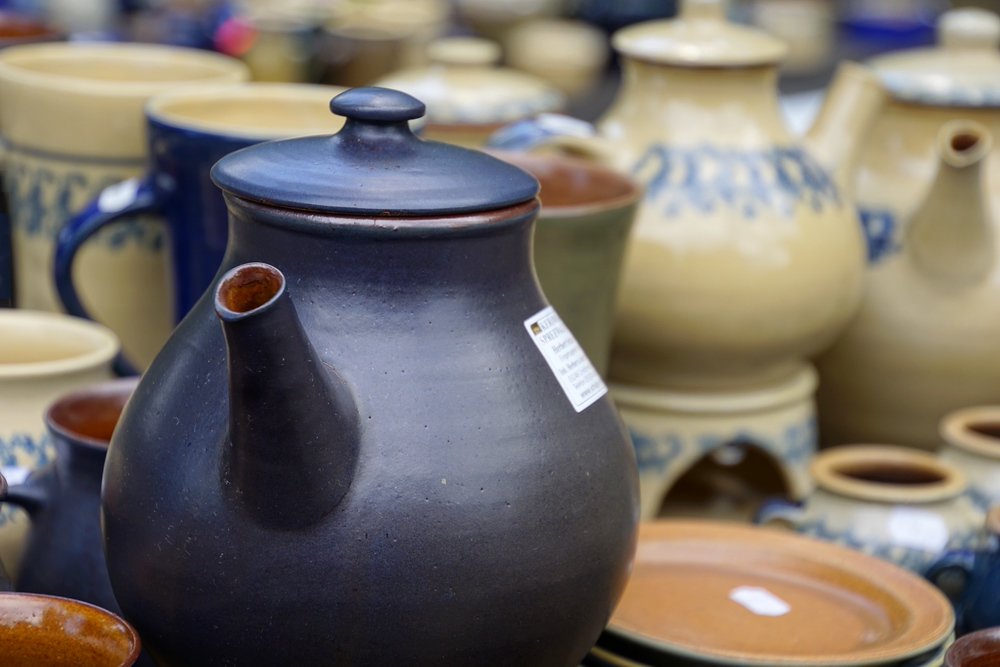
(48, 631)
(977, 649)
(972, 444)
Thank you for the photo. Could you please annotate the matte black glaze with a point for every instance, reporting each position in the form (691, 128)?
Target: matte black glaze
(485, 521)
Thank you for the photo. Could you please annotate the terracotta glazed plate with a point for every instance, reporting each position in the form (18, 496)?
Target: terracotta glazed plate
(735, 594)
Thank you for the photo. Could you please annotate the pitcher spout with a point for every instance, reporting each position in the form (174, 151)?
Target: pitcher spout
(293, 423)
(950, 238)
(852, 104)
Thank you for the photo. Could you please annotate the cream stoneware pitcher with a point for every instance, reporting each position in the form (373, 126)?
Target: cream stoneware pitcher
(747, 256)
(924, 342)
(959, 79)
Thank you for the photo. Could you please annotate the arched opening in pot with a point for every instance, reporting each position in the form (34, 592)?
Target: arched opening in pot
(730, 482)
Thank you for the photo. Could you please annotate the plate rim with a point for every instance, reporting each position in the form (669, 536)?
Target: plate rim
(837, 556)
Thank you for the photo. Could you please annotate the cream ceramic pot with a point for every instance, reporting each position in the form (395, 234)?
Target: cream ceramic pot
(42, 356)
(904, 506)
(468, 96)
(72, 119)
(972, 444)
(924, 340)
(747, 256)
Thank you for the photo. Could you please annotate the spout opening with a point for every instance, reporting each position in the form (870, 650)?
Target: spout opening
(247, 289)
(964, 143)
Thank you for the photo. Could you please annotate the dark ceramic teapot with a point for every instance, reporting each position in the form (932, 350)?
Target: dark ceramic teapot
(390, 451)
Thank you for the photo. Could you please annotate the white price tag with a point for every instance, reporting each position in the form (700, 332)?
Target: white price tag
(578, 378)
(918, 529)
(759, 601)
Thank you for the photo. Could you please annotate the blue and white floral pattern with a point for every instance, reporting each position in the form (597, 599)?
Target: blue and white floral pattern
(42, 198)
(24, 450)
(880, 227)
(748, 183)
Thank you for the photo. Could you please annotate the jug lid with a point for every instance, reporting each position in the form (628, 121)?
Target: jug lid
(699, 37)
(963, 70)
(464, 85)
(374, 166)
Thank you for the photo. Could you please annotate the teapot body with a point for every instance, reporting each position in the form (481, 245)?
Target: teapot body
(487, 520)
(746, 256)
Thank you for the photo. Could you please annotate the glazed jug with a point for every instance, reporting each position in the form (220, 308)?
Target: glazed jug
(65, 550)
(924, 341)
(372, 442)
(747, 256)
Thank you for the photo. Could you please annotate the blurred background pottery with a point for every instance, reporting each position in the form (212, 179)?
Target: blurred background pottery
(712, 456)
(277, 43)
(923, 342)
(378, 392)
(72, 120)
(715, 593)
(468, 96)
(364, 40)
(42, 356)
(65, 550)
(569, 55)
(972, 444)
(189, 131)
(905, 506)
(579, 242)
(49, 631)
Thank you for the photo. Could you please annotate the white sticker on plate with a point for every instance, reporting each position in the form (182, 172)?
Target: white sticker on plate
(578, 378)
(118, 196)
(918, 529)
(760, 601)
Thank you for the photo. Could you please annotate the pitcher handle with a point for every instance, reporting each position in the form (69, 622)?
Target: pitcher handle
(551, 130)
(28, 497)
(956, 562)
(114, 203)
(779, 509)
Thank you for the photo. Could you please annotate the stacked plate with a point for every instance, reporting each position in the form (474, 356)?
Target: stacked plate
(713, 593)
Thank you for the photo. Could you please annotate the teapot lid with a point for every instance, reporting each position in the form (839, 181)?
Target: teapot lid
(374, 166)
(699, 37)
(464, 85)
(963, 70)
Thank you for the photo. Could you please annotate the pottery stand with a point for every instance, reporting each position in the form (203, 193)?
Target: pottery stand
(672, 431)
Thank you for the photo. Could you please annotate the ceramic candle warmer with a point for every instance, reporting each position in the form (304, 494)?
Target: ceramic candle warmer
(374, 416)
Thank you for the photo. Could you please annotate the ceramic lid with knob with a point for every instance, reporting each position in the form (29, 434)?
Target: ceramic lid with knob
(464, 85)
(700, 36)
(375, 166)
(963, 70)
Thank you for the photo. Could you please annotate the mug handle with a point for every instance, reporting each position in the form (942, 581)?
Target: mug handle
(115, 202)
(28, 497)
(960, 562)
(779, 509)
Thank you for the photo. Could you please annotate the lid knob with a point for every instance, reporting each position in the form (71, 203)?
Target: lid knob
(377, 105)
(969, 28)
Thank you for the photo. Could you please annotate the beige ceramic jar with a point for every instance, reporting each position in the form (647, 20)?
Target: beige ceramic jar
(468, 96)
(904, 506)
(972, 444)
(924, 340)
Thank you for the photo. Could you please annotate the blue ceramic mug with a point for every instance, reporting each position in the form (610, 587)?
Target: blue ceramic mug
(971, 579)
(188, 133)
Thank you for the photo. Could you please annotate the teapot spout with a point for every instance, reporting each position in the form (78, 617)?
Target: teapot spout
(293, 423)
(853, 102)
(950, 237)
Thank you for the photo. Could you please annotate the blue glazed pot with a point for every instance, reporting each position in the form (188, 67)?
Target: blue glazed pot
(372, 442)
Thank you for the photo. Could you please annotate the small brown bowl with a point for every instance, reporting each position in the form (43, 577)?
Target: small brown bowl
(976, 649)
(49, 631)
